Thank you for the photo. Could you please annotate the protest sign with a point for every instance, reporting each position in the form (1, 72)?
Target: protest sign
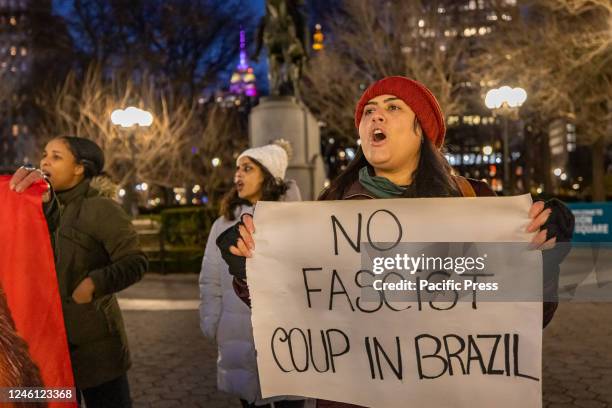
(317, 334)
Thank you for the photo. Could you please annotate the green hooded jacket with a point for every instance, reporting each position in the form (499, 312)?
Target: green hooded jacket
(95, 237)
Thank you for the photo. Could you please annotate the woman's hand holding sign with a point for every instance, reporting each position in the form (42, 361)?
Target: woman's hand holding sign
(539, 215)
(245, 245)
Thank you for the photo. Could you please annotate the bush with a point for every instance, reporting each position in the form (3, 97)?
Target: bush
(183, 236)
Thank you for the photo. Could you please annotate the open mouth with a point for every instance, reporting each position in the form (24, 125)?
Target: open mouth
(378, 136)
(239, 185)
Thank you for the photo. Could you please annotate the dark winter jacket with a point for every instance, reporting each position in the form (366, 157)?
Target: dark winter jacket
(93, 237)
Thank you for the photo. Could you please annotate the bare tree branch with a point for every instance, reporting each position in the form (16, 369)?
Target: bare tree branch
(365, 46)
(83, 107)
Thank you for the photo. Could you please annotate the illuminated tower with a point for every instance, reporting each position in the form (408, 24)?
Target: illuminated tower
(242, 81)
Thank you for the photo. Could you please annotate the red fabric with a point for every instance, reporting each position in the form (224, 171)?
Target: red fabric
(414, 94)
(28, 278)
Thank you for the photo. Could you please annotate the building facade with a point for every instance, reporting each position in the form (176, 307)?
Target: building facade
(34, 52)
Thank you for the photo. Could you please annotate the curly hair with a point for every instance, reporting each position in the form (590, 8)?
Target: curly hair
(271, 190)
(16, 366)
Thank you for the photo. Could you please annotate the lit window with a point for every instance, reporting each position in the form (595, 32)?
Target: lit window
(24, 51)
(453, 120)
(443, 48)
(472, 5)
(15, 130)
(13, 21)
(421, 23)
(13, 51)
(482, 30)
(492, 16)
(441, 10)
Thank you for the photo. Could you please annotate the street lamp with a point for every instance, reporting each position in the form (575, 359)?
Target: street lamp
(131, 118)
(505, 102)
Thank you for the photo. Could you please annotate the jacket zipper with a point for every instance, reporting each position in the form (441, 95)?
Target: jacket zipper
(357, 195)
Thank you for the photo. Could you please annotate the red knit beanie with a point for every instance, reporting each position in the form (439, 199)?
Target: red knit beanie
(416, 96)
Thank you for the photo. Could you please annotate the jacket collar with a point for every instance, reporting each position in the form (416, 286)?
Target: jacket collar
(356, 191)
(79, 190)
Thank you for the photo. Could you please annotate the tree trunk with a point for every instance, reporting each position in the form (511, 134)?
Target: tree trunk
(545, 149)
(597, 160)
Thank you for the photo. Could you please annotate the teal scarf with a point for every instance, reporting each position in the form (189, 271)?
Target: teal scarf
(381, 187)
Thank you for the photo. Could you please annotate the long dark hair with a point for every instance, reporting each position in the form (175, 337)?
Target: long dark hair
(272, 189)
(431, 178)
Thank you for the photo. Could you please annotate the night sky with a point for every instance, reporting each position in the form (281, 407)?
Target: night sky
(257, 7)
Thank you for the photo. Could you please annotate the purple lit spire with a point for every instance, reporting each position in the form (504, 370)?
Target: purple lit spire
(243, 78)
(243, 57)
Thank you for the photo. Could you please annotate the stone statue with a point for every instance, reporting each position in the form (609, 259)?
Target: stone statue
(283, 31)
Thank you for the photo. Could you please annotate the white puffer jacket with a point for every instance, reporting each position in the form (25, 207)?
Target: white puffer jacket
(226, 319)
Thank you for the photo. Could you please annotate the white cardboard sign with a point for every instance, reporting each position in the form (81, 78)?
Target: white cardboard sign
(316, 337)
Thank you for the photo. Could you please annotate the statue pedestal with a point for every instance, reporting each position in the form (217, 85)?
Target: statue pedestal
(282, 117)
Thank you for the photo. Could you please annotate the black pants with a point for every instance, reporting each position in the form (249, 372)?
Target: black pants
(277, 404)
(112, 394)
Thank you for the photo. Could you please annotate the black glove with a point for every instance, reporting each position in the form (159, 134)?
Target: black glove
(560, 223)
(236, 264)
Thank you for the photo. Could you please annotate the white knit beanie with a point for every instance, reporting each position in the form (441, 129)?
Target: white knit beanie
(274, 157)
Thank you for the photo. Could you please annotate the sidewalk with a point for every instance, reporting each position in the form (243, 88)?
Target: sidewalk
(173, 364)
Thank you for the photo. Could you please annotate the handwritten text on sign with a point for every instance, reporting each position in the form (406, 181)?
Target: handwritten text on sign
(317, 336)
